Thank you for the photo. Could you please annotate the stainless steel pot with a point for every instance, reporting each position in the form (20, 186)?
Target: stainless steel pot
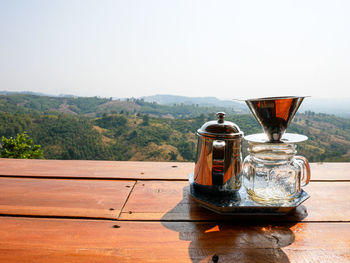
(219, 159)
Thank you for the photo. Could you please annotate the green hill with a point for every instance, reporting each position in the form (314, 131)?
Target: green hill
(96, 107)
(105, 129)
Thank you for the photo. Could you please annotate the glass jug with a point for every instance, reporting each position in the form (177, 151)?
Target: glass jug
(273, 173)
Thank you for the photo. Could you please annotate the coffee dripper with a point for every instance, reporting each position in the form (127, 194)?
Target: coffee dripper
(272, 172)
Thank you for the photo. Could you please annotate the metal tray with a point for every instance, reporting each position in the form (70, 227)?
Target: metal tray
(242, 204)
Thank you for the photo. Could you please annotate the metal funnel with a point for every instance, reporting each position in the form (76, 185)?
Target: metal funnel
(274, 114)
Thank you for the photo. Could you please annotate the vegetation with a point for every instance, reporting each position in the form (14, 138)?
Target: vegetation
(20, 147)
(95, 128)
(96, 107)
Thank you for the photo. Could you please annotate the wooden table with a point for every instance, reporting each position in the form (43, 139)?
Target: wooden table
(101, 211)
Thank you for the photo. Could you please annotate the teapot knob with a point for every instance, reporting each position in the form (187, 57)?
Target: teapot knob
(221, 116)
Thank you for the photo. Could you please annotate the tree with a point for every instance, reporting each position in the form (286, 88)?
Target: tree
(173, 156)
(21, 147)
(145, 120)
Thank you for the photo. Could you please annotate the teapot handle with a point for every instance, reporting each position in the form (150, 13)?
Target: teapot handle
(218, 162)
(305, 170)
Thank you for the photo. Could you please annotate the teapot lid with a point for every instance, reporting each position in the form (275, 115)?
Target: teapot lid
(220, 128)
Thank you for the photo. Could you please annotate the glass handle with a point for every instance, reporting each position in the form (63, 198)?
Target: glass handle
(305, 170)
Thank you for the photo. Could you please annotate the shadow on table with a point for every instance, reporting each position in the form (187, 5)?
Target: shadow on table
(233, 238)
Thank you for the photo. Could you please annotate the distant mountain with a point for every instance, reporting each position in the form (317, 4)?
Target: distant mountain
(95, 106)
(5, 92)
(339, 106)
(67, 96)
(200, 101)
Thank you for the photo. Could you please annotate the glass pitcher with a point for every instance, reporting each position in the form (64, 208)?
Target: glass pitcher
(273, 173)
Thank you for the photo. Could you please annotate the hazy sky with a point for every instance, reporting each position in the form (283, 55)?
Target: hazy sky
(228, 49)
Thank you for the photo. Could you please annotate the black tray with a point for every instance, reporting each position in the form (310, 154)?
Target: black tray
(241, 204)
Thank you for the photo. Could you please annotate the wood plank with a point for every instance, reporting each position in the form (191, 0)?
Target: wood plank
(95, 169)
(60, 197)
(330, 171)
(135, 170)
(150, 200)
(64, 240)
(154, 200)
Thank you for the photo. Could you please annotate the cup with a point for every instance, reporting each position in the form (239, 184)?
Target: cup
(273, 173)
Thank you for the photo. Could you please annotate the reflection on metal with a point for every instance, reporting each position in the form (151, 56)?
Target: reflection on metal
(218, 175)
(219, 160)
(274, 114)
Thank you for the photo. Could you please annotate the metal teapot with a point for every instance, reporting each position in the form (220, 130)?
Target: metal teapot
(219, 159)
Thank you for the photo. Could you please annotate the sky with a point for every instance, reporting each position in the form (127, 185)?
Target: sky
(132, 48)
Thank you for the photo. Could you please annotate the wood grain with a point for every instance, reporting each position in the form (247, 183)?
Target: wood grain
(150, 200)
(58, 240)
(182, 231)
(154, 200)
(330, 171)
(57, 197)
(135, 170)
(95, 169)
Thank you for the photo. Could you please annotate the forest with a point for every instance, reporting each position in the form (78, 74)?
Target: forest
(106, 129)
